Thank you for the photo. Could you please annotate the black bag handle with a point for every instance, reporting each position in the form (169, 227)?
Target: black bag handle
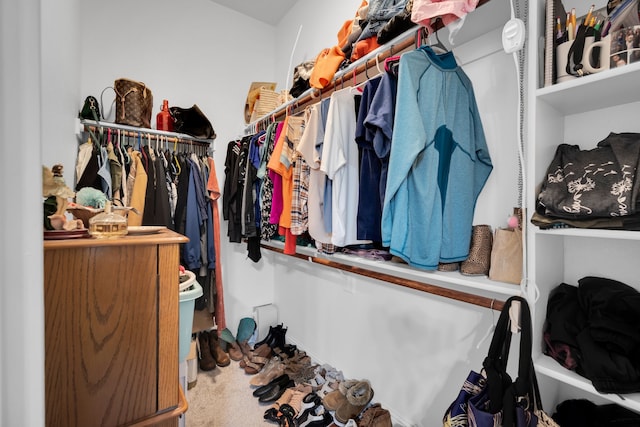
(503, 392)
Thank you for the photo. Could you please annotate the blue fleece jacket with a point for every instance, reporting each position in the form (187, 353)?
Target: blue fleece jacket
(438, 165)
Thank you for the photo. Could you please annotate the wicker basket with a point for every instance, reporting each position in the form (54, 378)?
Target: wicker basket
(267, 101)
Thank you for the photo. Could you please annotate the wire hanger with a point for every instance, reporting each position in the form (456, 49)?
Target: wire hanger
(492, 327)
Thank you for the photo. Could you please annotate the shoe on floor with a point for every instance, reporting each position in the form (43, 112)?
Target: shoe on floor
(232, 346)
(333, 400)
(219, 355)
(206, 360)
(358, 397)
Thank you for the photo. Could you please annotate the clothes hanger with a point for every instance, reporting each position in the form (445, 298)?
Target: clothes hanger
(378, 63)
(391, 65)
(438, 46)
(492, 327)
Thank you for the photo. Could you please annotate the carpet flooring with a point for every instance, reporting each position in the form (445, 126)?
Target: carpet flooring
(222, 398)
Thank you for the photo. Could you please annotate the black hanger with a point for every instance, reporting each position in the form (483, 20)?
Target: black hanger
(439, 45)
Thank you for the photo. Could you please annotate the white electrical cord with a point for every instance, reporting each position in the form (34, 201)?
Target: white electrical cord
(530, 289)
(295, 44)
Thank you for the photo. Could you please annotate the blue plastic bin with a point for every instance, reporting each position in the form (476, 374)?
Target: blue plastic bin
(187, 305)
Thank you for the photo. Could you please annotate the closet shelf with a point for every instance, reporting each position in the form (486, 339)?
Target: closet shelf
(591, 233)
(609, 88)
(545, 365)
(475, 290)
(135, 131)
(357, 72)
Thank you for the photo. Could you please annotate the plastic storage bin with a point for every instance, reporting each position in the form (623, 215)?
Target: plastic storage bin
(192, 290)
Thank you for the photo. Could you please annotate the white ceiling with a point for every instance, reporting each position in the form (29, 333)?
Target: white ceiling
(269, 11)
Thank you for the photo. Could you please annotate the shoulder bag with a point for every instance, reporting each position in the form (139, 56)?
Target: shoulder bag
(134, 102)
(492, 398)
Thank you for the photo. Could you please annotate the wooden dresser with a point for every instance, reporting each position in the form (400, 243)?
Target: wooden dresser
(111, 331)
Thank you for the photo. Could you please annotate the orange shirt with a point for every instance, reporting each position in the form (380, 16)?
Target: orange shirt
(287, 178)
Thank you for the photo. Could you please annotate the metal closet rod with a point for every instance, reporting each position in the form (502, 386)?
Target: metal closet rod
(133, 131)
(467, 297)
(352, 75)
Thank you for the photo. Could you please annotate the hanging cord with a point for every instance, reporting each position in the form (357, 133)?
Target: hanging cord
(519, 61)
(295, 44)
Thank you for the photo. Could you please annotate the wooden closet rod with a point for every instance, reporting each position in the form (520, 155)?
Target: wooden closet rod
(407, 283)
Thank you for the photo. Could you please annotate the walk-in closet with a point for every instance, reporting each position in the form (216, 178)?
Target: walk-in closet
(341, 249)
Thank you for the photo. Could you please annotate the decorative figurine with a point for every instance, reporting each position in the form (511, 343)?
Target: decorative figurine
(53, 185)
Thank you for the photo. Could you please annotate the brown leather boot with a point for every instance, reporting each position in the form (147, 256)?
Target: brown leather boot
(219, 355)
(207, 362)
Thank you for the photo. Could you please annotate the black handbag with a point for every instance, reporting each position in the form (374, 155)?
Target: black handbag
(90, 109)
(192, 121)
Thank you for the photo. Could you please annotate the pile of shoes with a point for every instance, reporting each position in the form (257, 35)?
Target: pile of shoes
(301, 393)
(305, 394)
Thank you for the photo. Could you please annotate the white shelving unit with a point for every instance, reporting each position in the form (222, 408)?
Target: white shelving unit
(581, 112)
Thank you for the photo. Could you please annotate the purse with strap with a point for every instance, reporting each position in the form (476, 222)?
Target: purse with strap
(493, 399)
(134, 103)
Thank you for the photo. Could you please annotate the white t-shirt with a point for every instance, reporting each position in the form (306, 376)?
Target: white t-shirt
(340, 163)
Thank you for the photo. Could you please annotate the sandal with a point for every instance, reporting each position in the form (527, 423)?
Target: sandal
(286, 352)
(273, 369)
(259, 358)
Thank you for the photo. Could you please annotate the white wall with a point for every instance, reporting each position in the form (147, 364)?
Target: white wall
(21, 292)
(61, 71)
(320, 23)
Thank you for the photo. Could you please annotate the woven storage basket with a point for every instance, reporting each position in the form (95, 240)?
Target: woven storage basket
(268, 100)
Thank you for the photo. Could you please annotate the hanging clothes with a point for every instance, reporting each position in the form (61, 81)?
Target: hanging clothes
(274, 165)
(157, 210)
(439, 162)
(380, 121)
(369, 202)
(90, 177)
(182, 187)
(136, 187)
(232, 196)
(340, 162)
(300, 199)
(214, 196)
(267, 229)
(195, 217)
(252, 183)
(115, 169)
(310, 148)
(85, 153)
